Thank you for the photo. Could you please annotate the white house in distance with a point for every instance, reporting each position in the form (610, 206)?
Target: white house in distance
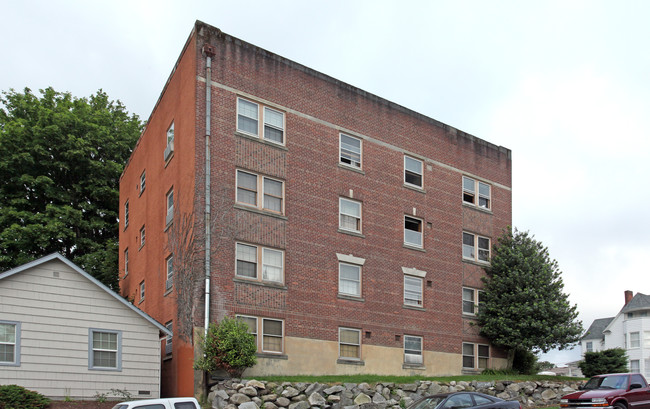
(629, 329)
(66, 335)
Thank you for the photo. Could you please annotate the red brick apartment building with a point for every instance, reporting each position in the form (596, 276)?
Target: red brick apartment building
(350, 233)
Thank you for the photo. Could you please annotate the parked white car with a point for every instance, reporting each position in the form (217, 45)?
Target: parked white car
(170, 403)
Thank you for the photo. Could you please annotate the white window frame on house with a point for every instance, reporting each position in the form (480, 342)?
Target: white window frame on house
(265, 262)
(104, 343)
(349, 279)
(143, 179)
(169, 339)
(589, 346)
(169, 147)
(481, 243)
(348, 217)
(471, 300)
(9, 343)
(349, 153)
(635, 339)
(635, 366)
(126, 262)
(169, 199)
(169, 268)
(477, 193)
(413, 350)
(412, 237)
(142, 236)
(273, 121)
(256, 325)
(262, 184)
(126, 214)
(480, 359)
(142, 289)
(348, 344)
(413, 291)
(412, 175)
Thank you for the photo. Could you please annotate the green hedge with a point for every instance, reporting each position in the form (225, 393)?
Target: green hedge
(17, 397)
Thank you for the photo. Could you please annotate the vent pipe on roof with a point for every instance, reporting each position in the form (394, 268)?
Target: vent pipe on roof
(628, 296)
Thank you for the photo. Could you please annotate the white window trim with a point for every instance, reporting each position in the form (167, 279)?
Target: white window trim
(91, 350)
(143, 181)
(349, 258)
(143, 233)
(408, 243)
(169, 339)
(411, 359)
(360, 218)
(414, 272)
(351, 165)
(347, 358)
(408, 302)
(476, 298)
(261, 122)
(259, 263)
(169, 277)
(633, 341)
(16, 343)
(476, 193)
(476, 238)
(359, 281)
(126, 214)
(421, 174)
(475, 355)
(126, 262)
(261, 331)
(259, 192)
(142, 290)
(169, 216)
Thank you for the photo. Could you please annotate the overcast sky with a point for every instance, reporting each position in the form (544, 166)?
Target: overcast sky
(563, 84)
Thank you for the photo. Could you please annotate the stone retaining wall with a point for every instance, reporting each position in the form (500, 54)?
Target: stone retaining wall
(252, 394)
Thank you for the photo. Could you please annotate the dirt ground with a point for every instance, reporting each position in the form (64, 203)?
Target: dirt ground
(88, 404)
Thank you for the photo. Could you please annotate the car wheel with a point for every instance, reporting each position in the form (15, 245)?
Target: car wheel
(620, 405)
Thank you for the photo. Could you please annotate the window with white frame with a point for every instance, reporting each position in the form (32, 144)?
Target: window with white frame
(471, 242)
(272, 192)
(413, 235)
(126, 214)
(169, 148)
(589, 346)
(169, 262)
(105, 349)
(142, 236)
(349, 215)
(169, 199)
(413, 171)
(350, 150)
(635, 340)
(477, 193)
(635, 365)
(272, 330)
(471, 352)
(259, 263)
(471, 300)
(350, 279)
(248, 114)
(168, 339)
(142, 291)
(10, 343)
(646, 340)
(142, 181)
(413, 291)
(349, 343)
(126, 262)
(412, 350)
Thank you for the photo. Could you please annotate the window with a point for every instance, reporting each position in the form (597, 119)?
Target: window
(349, 343)
(170, 206)
(142, 181)
(471, 300)
(634, 365)
(142, 291)
(126, 214)
(105, 351)
(413, 291)
(350, 151)
(251, 322)
(470, 188)
(471, 242)
(248, 114)
(349, 215)
(168, 339)
(590, 346)
(170, 272)
(272, 330)
(412, 349)
(412, 172)
(412, 231)
(9, 343)
(264, 265)
(471, 351)
(169, 148)
(126, 262)
(142, 236)
(635, 341)
(349, 279)
(248, 186)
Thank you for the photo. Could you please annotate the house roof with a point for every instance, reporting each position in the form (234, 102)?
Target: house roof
(597, 327)
(57, 256)
(638, 302)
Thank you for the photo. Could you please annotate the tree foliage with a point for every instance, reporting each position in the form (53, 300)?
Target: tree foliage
(524, 306)
(607, 361)
(229, 346)
(61, 158)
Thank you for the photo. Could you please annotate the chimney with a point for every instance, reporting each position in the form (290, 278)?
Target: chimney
(628, 296)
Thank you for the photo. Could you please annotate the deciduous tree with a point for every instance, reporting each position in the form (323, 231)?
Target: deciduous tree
(61, 158)
(524, 304)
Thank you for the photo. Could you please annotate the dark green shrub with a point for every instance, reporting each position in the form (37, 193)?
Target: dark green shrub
(506, 372)
(607, 361)
(17, 397)
(525, 362)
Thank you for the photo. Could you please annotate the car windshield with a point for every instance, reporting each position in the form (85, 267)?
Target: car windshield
(607, 382)
(428, 403)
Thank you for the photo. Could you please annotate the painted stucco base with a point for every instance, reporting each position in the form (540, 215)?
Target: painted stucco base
(317, 357)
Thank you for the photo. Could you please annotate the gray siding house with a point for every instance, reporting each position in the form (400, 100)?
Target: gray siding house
(66, 335)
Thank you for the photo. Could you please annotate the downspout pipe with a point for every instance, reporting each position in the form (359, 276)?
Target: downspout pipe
(209, 53)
